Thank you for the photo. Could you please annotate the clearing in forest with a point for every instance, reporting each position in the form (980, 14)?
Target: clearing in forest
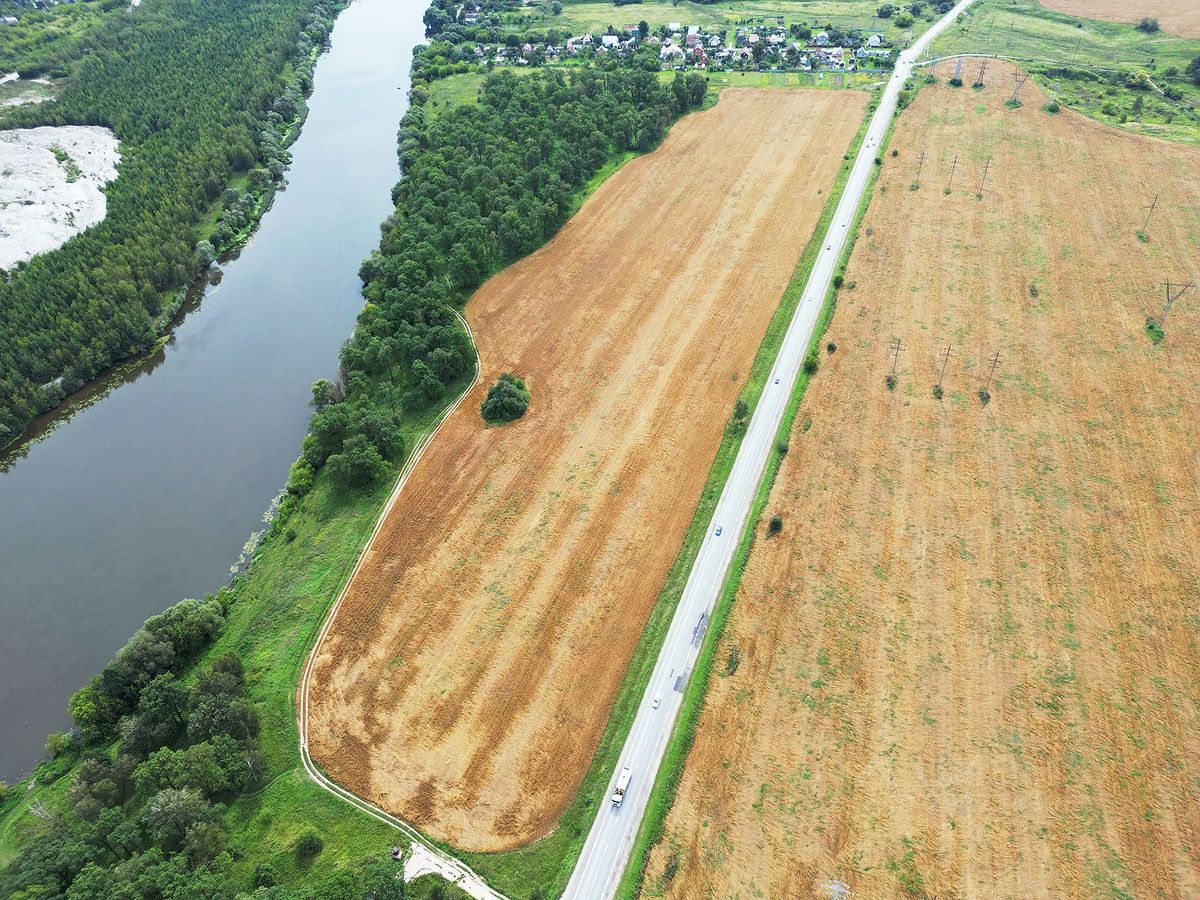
(470, 672)
(967, 666)
(1180, 17)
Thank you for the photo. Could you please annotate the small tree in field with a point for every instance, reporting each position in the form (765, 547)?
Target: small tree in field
(776, 525)
(506, 400)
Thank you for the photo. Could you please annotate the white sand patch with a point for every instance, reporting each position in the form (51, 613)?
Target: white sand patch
(47, 199)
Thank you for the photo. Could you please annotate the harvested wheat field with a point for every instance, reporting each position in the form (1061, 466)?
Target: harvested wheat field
(1180, 17)
(969, 666)
(469, 674)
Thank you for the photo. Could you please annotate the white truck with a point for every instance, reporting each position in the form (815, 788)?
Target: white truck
(622, 783)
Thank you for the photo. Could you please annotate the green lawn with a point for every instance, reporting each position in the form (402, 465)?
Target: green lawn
(1081, 63)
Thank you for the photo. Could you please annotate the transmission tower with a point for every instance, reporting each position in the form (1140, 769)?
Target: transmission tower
(958, 68)
(895, 348)
(836, 889)
(983, 67)
(953, 168)
(987, 164)
(1174, 292)
(1149, 212)
(1019, 79)
(920, 166)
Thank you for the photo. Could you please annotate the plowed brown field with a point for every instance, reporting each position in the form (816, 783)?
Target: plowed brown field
(1180, 17)
(970, 663)
(470, 672)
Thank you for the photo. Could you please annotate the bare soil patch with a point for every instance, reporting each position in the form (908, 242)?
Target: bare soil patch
(51, 186)
(968, 664)
(470, 672)
(1180, 17)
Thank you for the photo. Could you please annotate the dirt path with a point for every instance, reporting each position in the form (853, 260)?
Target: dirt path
(471, 670)
(968, 665)
(1180, 17)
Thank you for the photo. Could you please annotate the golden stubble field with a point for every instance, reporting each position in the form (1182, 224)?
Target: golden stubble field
(969, 666)
(1180, 17)
(468, 677)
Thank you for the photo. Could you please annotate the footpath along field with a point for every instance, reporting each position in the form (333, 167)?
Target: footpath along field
(469, 675)
(1180, 17)
(967, 666)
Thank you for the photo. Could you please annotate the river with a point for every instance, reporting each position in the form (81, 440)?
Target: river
(148, 495)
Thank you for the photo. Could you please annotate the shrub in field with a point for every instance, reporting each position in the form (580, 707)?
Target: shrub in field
(733, 660)
(812, 362)
(506, 400)
(782, 448)
(775, 525)
(984, 396)
(1154, 331)
(890, 381)
(955, 81)
(937, 392)
(1052, 107)
(1148, 25)
(831, 347)
(308, 846)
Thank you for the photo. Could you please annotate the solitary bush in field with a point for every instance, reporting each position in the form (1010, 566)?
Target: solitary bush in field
(776, 525)
(1148, 25)
(984, 396)
(308, 847)
(955, 81)
(838, 280)
(890, 381)
(506, 400)
(733, 661)
(831, 347)
(812, 362)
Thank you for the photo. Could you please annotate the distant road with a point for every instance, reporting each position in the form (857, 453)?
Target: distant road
(609, 843)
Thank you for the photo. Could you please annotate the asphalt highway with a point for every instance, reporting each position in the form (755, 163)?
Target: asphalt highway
(610, 841)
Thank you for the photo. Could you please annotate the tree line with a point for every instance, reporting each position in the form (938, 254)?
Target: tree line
(195, 92)
(483, 185)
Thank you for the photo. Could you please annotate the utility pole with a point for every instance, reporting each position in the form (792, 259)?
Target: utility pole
(958, 68)
(895, 348)
(953, 167)
(986, 165)
(946, 354)
(1149, 212)
(920, 166)
(984, 394)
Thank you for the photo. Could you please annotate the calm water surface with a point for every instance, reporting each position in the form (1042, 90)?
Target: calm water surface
(149, 495)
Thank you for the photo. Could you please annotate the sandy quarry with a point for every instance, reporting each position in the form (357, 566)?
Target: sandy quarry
(468, 677)
(45, 202)
(970, 664)
(1180, 17)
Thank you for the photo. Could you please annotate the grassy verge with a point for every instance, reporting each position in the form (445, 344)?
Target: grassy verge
(1091, 66)
(666, 783)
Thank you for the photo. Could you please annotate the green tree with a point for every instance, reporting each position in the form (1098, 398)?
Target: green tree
(506, 400)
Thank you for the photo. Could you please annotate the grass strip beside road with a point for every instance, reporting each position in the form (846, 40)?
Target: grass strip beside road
(666, 782)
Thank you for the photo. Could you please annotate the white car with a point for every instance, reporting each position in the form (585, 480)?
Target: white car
(657, 700)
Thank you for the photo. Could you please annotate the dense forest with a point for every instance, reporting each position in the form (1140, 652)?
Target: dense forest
(196, 92)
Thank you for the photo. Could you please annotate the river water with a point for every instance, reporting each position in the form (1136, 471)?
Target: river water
(148, 495)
